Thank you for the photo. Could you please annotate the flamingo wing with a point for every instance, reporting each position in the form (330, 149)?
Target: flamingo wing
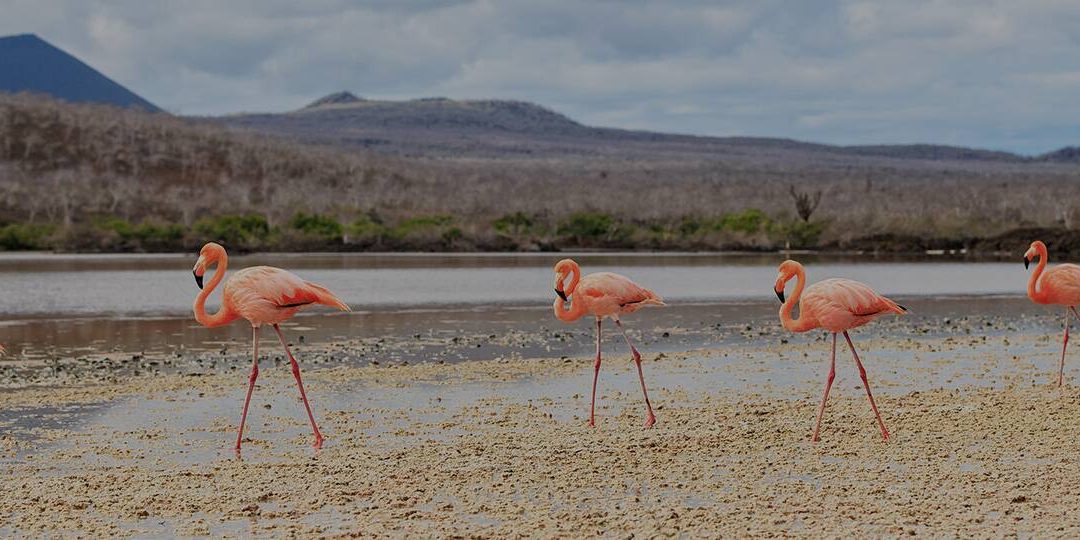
(1062, 284)
(265, 293)
(611, 293)
(843, 303)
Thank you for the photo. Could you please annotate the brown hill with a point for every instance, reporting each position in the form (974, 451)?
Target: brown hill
(440, 127)
(97, 177)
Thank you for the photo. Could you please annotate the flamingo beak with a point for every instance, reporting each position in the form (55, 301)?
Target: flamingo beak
(559, 277)
(199, 271)
(1026, 262)
(780, 295)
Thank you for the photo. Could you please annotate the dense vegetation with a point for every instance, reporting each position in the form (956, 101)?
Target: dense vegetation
(96, 178)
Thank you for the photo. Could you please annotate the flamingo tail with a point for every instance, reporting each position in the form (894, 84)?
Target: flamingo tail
(325, 297)
(651, 299)
(894, 307)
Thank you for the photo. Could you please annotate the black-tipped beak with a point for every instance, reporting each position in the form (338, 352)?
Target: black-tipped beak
(198, 279)
(561, 294)
(780, 295)
(1026, 263)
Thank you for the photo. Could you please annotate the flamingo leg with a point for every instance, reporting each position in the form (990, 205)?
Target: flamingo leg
(596, 375)
(1064, 344)
(251, 383)
(828, 385)
(866, 384)
(300, 384)
(650, 419)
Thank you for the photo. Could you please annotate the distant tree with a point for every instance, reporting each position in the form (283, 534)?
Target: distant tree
(805, 202)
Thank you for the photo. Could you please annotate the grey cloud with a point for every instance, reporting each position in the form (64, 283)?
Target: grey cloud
(997, 74)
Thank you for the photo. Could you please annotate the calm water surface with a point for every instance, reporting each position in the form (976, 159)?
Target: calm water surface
(56, 303)
(38, 285)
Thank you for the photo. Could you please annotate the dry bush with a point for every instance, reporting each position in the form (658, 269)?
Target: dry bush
(69, 165)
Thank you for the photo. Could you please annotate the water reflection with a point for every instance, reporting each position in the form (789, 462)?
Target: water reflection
(161, 285)
(58, 305)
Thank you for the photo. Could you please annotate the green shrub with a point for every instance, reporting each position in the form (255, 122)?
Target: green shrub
(592, 227)
(657, 228)
(515, 224)
(452, 234)
(147, 232)
(423, 226)
(588, 225)
(365, 227)
(159, 233)
(120, 226)
(316, 225)
(689, 226)
(748, 221)
(20, 236)
(800, 234)
(247, 229)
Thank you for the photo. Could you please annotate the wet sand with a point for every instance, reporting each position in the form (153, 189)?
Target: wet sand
(499, 447)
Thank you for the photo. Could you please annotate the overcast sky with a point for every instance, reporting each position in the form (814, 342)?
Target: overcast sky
(1002, 75)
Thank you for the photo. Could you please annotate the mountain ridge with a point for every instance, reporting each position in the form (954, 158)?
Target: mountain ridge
(443, 127)
(336, 98)
(31, 64)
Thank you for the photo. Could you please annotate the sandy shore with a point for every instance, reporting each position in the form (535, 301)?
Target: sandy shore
(500, 448)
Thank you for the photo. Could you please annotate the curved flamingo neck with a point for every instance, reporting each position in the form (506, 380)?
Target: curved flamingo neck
(575, 312)
(575, 278)
(801, 324)
(577, 307)
(1033, 281)
(224, 315)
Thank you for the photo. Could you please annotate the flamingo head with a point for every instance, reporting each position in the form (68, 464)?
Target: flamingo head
(788, 269)
(563, 269)
(1034, 251)
(209, 255)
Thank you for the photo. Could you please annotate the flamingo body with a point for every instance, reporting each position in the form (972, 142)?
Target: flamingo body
(268, 295)
(1057, 285)
(261, 295)
(602, 295)
(607, 294)
(836, 305)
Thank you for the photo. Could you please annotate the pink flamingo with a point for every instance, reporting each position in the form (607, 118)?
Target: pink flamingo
(1059, 285)
(600, 295)
(837, 305)
(262, 295)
